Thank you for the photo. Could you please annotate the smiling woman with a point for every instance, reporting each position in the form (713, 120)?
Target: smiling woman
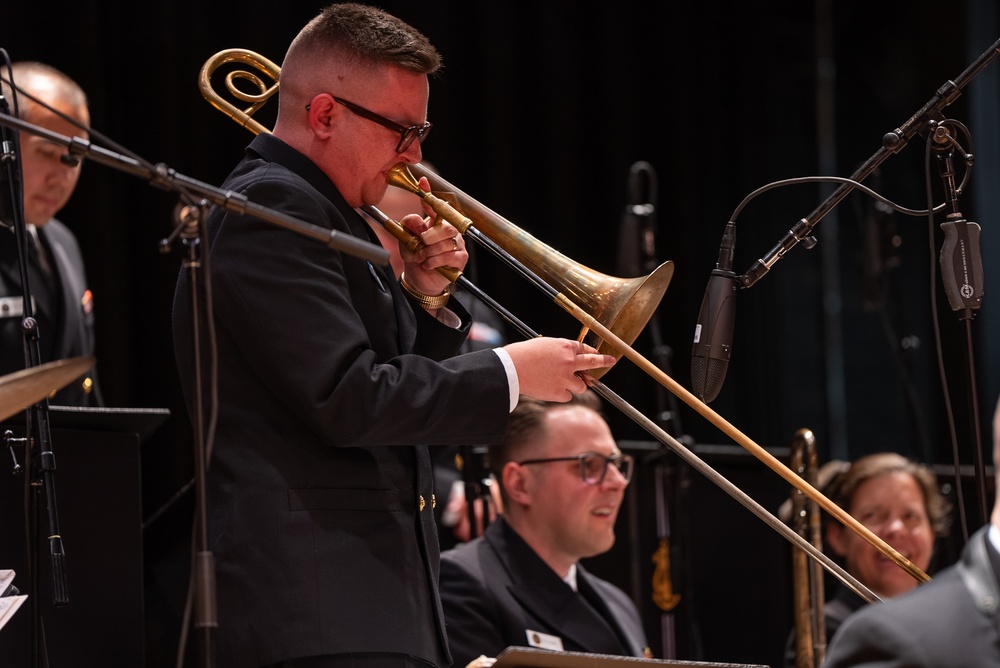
(899, 501)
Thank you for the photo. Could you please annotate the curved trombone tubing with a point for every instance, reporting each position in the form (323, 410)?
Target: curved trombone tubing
(242, 116)
(606, 336)
(807, 580)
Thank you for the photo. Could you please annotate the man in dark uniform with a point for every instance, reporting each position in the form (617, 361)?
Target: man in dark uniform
(562, 481)
(333, 376)
(62, 304)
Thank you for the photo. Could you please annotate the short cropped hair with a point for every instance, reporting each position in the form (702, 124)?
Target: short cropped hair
(526, 426)
(368, 36)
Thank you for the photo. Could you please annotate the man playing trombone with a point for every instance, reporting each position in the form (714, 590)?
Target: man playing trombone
(333, 376)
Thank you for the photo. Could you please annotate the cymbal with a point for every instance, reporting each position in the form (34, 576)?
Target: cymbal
(23, 388)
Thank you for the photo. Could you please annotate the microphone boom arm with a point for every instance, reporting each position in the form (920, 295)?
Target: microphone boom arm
(166, 178)
(892, 142)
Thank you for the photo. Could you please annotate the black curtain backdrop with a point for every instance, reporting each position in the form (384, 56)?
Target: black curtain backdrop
(539, 113)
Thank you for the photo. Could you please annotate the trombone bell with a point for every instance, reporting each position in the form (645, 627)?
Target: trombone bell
(623, 305)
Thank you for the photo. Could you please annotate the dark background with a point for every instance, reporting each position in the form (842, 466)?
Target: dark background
(539, 113)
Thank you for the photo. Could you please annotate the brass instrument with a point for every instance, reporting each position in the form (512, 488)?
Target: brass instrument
(242, 116)
(807, 578)
(625, 304)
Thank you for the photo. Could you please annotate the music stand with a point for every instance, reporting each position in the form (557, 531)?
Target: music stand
(533, 657)
(100, 502)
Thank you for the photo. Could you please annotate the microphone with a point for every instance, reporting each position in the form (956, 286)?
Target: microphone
(638, 222)
(962, 264)
(713, 333)
(960, 259)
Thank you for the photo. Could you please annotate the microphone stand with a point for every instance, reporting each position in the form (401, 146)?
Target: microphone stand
(163, 177)
(192, 234)
(477, 491)
(38, 438)
(643, 216)
(962, 276)
(959, 234)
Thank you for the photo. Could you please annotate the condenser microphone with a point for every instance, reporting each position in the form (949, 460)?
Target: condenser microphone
(637, 229)
(713, 333)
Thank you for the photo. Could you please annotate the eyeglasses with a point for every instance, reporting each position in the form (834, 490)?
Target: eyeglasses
(406, 133)
(593, 466)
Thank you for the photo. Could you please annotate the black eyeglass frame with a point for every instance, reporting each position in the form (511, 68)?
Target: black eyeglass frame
(407, 133)
(621, 461)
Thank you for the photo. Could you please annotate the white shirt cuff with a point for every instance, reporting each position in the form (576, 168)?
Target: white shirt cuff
(512, 384)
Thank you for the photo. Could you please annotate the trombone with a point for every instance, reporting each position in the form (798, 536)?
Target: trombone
(807, 579)
(598, 302)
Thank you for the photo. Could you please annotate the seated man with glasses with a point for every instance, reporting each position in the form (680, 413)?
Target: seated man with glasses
(562, 481)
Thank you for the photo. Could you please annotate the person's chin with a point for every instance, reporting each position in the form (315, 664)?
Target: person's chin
(39, 215)
(895, 587)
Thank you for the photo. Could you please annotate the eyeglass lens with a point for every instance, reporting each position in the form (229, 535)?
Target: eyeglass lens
(418, 132)
(594, 467)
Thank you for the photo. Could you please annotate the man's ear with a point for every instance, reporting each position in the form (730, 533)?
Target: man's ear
(323, 112)
(518, 483)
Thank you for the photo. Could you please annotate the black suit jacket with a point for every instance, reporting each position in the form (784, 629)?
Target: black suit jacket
(496, 591)
(63, 307)
(953, 621)
(330, 385)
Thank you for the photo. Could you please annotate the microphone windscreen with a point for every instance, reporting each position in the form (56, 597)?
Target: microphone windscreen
(713, 338)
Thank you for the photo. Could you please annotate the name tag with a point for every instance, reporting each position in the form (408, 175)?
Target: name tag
(13, 307)
(543, 640)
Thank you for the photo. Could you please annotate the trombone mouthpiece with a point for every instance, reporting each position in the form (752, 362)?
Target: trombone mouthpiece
(400, 177)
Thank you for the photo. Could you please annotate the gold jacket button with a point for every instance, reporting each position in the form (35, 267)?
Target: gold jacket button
(423, 502)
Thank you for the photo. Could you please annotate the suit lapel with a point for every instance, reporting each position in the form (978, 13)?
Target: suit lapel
(72, 291)
(406, 323)
(617, 617)
(544, 594)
